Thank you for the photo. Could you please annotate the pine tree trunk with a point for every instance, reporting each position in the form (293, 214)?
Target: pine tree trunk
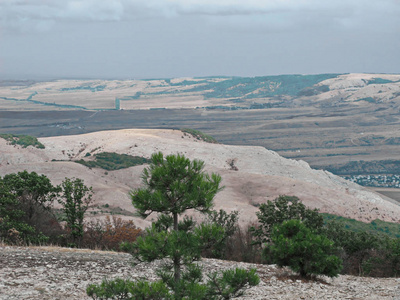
(177, 259)
(175, 221)
(302, 271)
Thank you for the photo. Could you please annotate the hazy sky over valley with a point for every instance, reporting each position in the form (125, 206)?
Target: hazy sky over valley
(44, 39)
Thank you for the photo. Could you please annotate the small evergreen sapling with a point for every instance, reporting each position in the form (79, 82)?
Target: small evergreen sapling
(171, 186)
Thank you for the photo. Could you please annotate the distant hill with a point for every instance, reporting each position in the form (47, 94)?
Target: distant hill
(231, 93)
(347, 123)
(251, 175)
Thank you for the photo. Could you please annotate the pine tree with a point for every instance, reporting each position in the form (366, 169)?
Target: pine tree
(171, 186)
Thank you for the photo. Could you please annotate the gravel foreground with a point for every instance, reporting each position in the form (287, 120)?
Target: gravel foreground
(63, 273)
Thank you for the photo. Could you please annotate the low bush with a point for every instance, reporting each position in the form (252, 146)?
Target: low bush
(241, 247)
(128, 290)
(365, 249)
(284, 208)
(375, 227)
(113, 161)
(109, 233)
(200, 135)
(227, 285)
(364, 253)
(22, 140)
(298, 247)
(229, 223)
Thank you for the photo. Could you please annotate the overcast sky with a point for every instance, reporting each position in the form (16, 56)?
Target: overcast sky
(44, 39)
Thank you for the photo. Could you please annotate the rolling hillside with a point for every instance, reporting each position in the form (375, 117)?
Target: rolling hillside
(251, 175)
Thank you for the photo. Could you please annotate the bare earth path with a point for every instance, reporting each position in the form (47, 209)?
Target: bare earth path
(62, 273)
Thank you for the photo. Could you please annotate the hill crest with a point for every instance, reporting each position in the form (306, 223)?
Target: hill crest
(261, 174)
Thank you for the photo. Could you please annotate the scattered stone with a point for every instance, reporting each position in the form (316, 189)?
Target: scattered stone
(50, 273)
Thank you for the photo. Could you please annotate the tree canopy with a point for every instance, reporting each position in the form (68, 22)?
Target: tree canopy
(174, 184)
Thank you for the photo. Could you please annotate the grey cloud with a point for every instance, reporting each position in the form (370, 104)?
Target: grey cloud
(34, 15)
(41, 14)
(94, 10)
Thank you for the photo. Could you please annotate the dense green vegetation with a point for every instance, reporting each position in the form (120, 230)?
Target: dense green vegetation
(291, 236)
(22, 140)
(295, 245)
(379, 81)
(362, 252)
(113, 161)
(365, 253)
(26, 201)
(261, 87)
(184, 82)
(239, 88)
(200, 135)
(25, 208)
(367, 99)
(374, 227)
(136, 96)
(85, 87)
(282, 209)
(27, 214)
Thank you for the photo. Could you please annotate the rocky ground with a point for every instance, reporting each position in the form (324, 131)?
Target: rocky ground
(62, 273)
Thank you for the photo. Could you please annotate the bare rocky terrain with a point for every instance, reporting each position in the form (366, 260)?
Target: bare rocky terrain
(251, 175)
(49, 273)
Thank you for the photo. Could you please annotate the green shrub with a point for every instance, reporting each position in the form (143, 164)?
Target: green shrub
(365, 253)
(220, 286)
(200, 135)
(25, 208)
(230, 283)
(127, 289)
(113, 161)
(375, 227)
(379, 81)
(282, 209)
(298, 247)
(368, 249)
(22, 140)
